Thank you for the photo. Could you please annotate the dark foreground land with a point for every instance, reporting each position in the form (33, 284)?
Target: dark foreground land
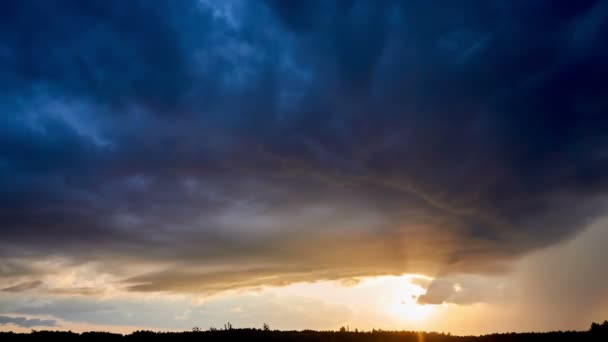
(598, 332)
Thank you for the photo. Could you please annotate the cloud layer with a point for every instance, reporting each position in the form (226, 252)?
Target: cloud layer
(210, 146)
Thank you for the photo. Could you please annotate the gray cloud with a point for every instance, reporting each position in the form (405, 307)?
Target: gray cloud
(27, 322)
(463, 290)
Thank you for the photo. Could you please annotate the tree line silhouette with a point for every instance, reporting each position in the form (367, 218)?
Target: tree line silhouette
(597, 332)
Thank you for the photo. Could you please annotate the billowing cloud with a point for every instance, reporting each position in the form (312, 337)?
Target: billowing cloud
(242, 144)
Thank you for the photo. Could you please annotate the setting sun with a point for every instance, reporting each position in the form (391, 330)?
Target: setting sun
(403, 303)
(410, 311)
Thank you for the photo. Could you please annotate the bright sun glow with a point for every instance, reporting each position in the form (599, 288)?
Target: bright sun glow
(402, 303)
(410, 311)
(387, 302)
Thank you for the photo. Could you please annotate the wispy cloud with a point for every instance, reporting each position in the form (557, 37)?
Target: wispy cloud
(24, 286)
(27, 322)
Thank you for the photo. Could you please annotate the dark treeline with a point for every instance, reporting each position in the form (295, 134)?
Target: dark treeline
(598, 332)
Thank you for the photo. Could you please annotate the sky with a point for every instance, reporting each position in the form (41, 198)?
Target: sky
(418, 165)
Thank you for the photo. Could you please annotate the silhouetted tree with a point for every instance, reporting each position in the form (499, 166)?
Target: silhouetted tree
(599, 329)
(597, 332)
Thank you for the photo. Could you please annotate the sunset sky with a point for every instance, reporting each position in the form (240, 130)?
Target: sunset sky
(417, 165)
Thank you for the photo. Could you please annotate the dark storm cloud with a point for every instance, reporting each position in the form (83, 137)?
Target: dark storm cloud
(27, 322)
(299, 140)
(95, 50)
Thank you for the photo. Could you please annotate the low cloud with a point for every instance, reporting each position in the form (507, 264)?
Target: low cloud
(27, 322)
(462, 290)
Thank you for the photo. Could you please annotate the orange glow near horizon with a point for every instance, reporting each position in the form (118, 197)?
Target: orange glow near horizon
(387, 302)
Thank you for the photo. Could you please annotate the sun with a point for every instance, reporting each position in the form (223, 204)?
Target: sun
(409, 311)
(403, 305)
